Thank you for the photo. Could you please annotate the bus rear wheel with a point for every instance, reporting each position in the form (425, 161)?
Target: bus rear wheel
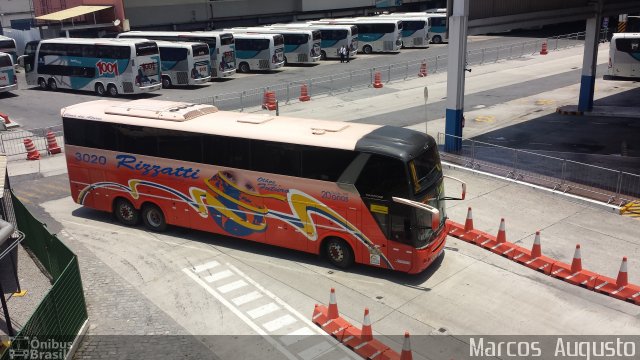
(339, 253)
(113, 90)
(367, 49)
(244, 67)
(126, 213)
(100, 89)
(52, 84)
(153, 218)
(323, 55)
(436, 39)
(166, 82)
(42, 84)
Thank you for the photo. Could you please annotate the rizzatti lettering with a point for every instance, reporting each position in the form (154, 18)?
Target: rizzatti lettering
(129, 161)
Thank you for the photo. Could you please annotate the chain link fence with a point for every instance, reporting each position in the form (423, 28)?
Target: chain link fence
(568, 176)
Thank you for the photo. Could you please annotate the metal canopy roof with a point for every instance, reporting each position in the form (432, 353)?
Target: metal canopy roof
(71, 13)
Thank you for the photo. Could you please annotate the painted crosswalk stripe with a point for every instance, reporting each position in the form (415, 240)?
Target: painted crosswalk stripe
(218, 276)
(246, 298)
(204, 267)
(279, 323)
(263, 310)
(297, 335)
(232, 286)
(315, 351)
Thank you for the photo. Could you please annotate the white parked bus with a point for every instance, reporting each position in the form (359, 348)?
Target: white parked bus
(8, 78)
(438, 28)
(259, 51)
(624, 57)
(222, 50)
(184, 63)
(8, 46)
(333, 38)
(415, 30)
(106, 66)
(301, 46)
(375, 34)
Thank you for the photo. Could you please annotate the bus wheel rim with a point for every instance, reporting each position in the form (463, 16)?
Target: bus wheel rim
(126, 212)
(153, 217)
(336, 252)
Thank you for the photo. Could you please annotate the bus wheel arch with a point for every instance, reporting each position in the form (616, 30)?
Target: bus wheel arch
(338, 252)
(125, 212)
(323, 55)
(100, 90)
(367, 49)
(42, 83)
(166, 82)
(112, 90)
(244, 67)
(436, 39)
(153, 217)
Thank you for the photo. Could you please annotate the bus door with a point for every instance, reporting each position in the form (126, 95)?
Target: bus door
(395, 222)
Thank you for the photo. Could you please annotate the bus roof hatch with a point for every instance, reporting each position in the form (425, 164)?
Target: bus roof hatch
(161, 110)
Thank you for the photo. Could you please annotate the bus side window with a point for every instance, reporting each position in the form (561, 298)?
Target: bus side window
(383, 177)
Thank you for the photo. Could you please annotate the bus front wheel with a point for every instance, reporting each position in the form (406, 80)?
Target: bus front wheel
(153, 218)
(113, 90)
(100, 89)
(436, 39)
(339, 253)
(42, 84)
(126, 213)
(244, 67)
(367, 49)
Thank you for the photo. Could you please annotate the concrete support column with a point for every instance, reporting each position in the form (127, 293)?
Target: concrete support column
(457, 57)
(589, 62)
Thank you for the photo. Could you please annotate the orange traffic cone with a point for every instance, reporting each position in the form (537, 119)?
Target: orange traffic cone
(576, 264)
(622, 279)
(468, 224)
(32, 152)
(304, 93)
(406, 348)
(333, 306)
(52, 145)
(269, 101)
(502, 235)
(5, 117)
(367, 333)
(423, 69)
(536, 250)
(377, 83)
(543, 51)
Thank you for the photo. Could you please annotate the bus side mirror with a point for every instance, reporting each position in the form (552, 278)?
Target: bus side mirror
(464, 188)
(21, 60)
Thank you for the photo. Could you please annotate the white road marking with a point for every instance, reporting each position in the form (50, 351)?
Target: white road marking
(246, 298)
(263, 310)
(218, 276)
(207, 266)
(297, 335)
(315, 351)
(279, 323)
(232, 286)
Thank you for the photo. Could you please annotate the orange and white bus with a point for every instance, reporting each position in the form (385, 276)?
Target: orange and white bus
(352, 192)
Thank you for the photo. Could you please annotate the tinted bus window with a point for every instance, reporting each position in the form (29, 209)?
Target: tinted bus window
(5, 61)
(173, 54)
(148, 48)
(278, 40)
(317, 35)
(275, 158)
(324, 164)
(7, 44)
(295, 39)
(226, 39)
(113, 52)
(413, 25)
(438, 21)
(199, 50)
(628, 45)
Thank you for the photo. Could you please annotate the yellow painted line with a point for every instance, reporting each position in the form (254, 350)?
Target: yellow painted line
(485, 118)
(545, 102)
(20, 293)
(631, 209)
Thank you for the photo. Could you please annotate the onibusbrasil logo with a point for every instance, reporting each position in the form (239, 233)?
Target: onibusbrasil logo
(34, 348)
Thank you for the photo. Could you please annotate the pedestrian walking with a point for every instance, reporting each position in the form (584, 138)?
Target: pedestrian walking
(342, 52)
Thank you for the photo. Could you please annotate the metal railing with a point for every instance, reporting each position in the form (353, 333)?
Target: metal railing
(568, 176)
(357, 79)
(12, 141)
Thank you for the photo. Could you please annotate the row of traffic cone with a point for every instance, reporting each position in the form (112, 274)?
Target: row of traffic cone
(52, 147)
(366, 333)
(574, 273)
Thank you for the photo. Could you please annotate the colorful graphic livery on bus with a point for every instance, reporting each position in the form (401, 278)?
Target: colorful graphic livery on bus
(106, 66)
(333, 38)
(221, 44)
(352, 192)
(8, 78)
(301, 46)
(624, 57)
(259, 52)
(375, 34)
(184, 63)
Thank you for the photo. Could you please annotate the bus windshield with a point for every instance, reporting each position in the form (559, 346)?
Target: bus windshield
(5, 61)
(425, 170)
(200, 50)
(226, 39)
(147, 48)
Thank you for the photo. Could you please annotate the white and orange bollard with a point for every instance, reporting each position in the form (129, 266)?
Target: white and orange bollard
(52, 145)
(32, 152)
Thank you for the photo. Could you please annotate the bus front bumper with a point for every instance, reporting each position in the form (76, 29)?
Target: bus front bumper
(154, 87)
(423, 258)
(9, 87)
